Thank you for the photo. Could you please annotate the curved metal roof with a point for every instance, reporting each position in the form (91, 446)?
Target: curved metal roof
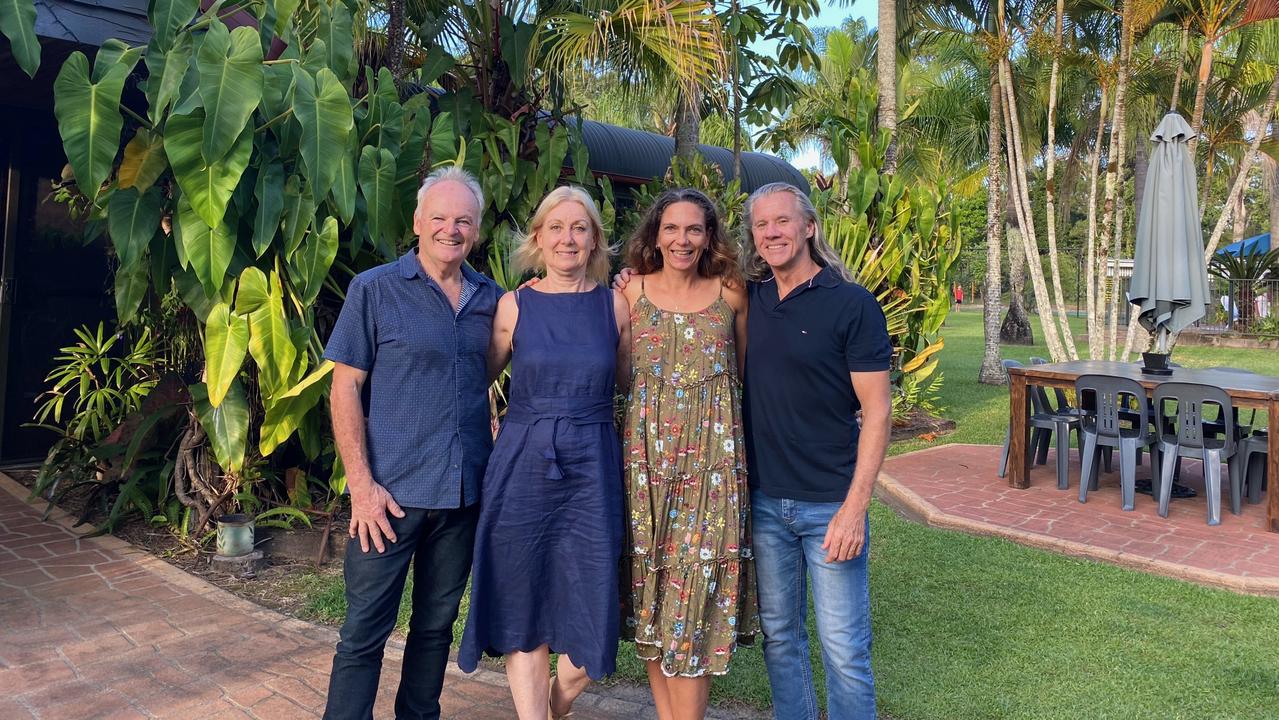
(635, 157)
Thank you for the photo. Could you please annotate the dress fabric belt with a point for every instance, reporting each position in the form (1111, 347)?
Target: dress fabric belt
(575, 410)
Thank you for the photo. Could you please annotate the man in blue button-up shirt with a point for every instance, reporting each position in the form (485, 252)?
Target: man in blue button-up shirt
(412, 336)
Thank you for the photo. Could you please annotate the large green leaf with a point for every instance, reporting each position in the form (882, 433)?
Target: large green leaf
(163, 263)
(270, 196)
(443, 138)
(166, 71)
(323, 109)
(227, 425)
(226, 341)
(143, 162)
(377, 184)
(131, 280)
(299, 213)
(314, 258)
(18, 23)
(337, 31)
(270, 342)
(230, 66)
(284, 412)
(253, 291)
(132, 219)
(168, 17)
(114, 55)
(89, 119)
(206, 250)
(207, 186)
(344, 188)
(193, 294)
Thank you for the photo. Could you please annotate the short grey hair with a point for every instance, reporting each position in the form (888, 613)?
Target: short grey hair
(455, 174)
(822, 253)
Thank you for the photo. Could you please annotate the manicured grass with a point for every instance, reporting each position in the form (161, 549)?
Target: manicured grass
(969, 627)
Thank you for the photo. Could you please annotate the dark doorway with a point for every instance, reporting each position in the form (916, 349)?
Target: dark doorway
(51, 281)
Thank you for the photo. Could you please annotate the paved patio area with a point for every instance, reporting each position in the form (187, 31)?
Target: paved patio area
(95, 628)
(957, 487)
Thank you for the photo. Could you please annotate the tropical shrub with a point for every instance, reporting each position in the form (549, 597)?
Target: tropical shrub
(266, 166)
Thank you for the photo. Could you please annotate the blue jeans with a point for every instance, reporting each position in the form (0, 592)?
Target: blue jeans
(439, 544)
(788, 536)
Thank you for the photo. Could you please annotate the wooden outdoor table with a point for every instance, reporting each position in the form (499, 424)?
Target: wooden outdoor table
(1246, 390)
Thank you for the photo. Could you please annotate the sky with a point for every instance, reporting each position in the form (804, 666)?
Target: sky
(833, 15)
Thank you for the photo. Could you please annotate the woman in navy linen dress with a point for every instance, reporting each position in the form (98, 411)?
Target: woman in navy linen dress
(549, 537)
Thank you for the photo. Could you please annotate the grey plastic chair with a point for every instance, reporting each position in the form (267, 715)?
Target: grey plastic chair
(1044, 422)
(1254, 476)
(1199, 437)
(1119, 419)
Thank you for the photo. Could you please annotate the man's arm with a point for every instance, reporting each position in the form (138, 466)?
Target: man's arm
(846, 533)
(369, 501)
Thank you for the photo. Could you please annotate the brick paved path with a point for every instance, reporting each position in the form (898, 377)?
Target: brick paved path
(95, 628)
(958, 487)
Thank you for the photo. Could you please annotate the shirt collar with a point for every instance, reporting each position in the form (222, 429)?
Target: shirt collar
(411, 268)
(826, 277)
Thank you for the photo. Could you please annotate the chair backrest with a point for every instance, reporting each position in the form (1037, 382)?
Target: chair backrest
(1190, 399)
(1063, 404)
(1106, 396)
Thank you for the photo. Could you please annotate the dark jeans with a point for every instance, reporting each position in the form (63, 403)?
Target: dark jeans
(439, 544)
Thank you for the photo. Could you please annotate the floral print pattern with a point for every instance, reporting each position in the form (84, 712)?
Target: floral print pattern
(688, 551)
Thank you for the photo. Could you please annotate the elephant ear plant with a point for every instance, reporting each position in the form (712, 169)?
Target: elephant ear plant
(261, 165)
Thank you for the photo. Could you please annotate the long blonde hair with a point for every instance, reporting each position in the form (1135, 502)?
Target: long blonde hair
(528, 256)
(822, 253)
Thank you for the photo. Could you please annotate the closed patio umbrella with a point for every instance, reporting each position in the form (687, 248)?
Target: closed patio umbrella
(1169, 279)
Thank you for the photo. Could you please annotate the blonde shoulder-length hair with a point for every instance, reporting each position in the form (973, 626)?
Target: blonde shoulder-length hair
(528, 256)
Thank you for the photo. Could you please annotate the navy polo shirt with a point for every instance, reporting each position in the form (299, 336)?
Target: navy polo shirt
(427, 412)
(800, 408)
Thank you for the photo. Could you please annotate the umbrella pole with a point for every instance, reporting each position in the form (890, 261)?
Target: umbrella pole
(1161, 341)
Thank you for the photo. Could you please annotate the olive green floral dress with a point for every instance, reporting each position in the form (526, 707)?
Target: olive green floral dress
(688, 551)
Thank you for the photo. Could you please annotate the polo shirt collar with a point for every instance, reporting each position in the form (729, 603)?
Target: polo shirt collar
(826, 277)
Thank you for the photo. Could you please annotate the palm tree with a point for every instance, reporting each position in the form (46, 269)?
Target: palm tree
(886, 72)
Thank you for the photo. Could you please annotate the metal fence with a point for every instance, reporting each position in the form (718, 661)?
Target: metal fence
(1247, 306)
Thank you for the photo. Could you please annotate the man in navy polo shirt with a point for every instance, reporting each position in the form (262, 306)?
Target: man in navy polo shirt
(412, 335)
(818, 353)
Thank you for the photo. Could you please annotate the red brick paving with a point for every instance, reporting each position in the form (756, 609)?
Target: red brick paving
(957, 486)
(95, 628)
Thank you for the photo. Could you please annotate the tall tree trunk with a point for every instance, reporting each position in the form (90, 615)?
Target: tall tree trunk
(395, 39)
(886, 69)
(1201, 93)
(1020, 200)
(1181, 66)
(735, 59)
(688, 125)
(1091, 254)
(992, 369)
(1016, 329)
(1050, 157)
(1239, 223)
(1121, 127)
(1106, 243)
(1236, 189)
(1272, 174)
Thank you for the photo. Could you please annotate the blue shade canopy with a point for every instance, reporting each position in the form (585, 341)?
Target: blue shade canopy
(1169, 278)
(1255, 245)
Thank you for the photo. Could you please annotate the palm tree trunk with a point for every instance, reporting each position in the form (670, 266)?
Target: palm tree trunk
(1272, 174)
(1090, 261)
(1140, 168)
(1181, 66)
(395, 39)
(886, 69)
(1107, 242)
(688, 125)
(1020, 198)
(1016, 329)
(1236, 189)
(1121, 129)
(737, 101)
(1201, 94)
(992, 369)
(1051, 188)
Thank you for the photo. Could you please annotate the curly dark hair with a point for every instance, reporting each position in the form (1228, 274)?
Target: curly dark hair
(718, 260)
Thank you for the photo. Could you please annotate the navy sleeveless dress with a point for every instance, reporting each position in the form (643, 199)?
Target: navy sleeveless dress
(550, 530)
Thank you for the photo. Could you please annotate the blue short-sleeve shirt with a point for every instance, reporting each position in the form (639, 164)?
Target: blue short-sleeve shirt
(427, 412)
(800, 408)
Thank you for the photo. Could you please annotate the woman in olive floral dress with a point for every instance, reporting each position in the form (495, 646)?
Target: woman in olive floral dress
(688, 550)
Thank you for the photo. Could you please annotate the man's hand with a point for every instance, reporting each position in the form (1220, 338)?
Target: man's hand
(368, 516)
(623, 278)
(845, 535)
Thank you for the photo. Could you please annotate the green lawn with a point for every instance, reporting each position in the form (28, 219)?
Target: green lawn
(969, 627)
